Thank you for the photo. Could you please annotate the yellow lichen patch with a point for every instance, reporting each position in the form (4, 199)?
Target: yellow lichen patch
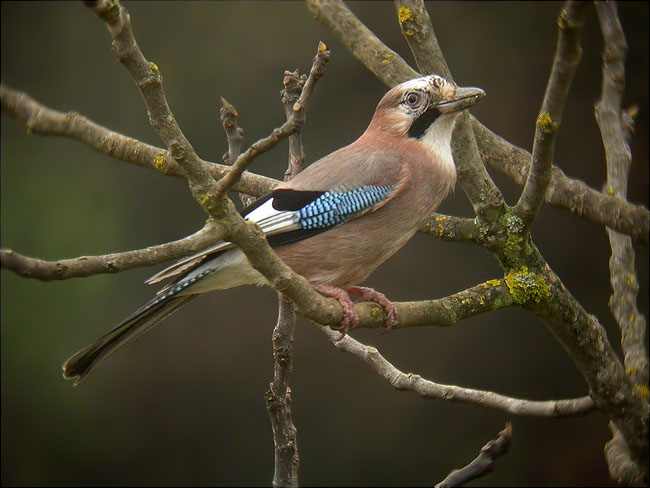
(527, 286)
(154, 66)
(493, 283)
(611, 191)
(631, 371)
(632, 282)
(643, 389)
(388, 58)
(404, 14)
(375, 311)
(159, 163)
(545, 123)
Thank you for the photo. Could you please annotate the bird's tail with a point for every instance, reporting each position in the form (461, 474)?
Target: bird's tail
(79, 365)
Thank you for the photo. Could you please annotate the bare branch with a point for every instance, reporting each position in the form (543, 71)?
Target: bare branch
(622, 468)
(483, 464)
(110, 263)
(567, 57)
(384, 63)
(278, 398)
(428, 389)
(234, 135)
(418, 31)
(622, 465)
(451, 229)
(148, 79)
(564, 192)
(293, 86)
(617, 152)
(40, 119)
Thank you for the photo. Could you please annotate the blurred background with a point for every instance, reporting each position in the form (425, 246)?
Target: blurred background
(184, 404)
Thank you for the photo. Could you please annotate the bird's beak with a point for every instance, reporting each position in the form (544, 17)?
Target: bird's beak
(462, 99)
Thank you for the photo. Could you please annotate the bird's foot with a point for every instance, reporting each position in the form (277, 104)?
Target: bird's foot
(363, 294)
(350, 319)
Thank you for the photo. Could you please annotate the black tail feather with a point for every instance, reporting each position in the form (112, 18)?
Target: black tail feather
(79, 365)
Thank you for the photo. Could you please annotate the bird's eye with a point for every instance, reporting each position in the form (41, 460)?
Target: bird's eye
(412, 99)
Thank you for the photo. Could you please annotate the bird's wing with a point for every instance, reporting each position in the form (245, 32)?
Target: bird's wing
(317, 200)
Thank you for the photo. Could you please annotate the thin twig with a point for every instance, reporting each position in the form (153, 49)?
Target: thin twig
(567, 57)
(110, 263)
(234, 135)
(428, 389)
(293, 123)
(483, 464)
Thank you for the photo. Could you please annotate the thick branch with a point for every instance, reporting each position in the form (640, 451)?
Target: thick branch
(82, 266)
(483, 464)
(428, 389)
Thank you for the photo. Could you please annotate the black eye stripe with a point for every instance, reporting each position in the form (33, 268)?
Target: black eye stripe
(422, 123)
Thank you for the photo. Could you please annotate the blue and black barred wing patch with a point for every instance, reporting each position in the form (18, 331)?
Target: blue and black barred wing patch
(289, 215)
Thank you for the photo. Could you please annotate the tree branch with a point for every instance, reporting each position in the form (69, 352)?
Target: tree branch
(294, 122)
(451, 229)
(417, 29)
(563, 191)
(43, 120)
(483, 464)
(63, 269)
(565, 62)
(617, 153)
(428, 389)
(623, 467)
(278, 398)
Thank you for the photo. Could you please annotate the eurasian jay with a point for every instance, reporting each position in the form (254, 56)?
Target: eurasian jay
(336, 221)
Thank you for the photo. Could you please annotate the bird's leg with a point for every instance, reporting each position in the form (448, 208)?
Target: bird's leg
(350, 319)
(363, 294)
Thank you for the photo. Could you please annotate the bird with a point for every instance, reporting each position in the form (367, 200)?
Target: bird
(335, 222)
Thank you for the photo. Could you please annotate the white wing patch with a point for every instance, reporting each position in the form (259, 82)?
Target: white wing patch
(270, 220)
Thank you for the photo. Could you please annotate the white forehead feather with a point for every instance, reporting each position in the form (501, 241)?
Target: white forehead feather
(432, 83)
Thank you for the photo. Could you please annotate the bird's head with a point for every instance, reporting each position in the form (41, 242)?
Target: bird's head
(423, 107)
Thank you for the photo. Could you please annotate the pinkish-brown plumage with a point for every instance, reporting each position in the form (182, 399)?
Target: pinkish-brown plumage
(347, 254)
(335, 222)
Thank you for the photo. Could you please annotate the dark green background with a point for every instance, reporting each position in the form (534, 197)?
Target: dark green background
(184, 404)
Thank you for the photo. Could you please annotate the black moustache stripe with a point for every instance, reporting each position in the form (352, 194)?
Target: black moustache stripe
(423, 122)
